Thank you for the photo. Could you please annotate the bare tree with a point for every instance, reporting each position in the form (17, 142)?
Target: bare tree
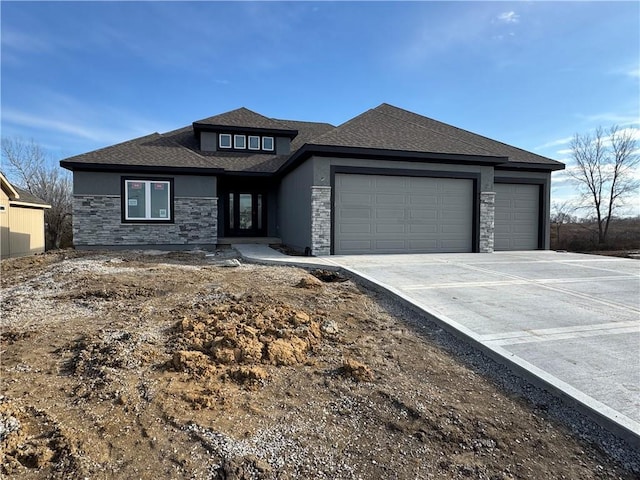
(561, 214)
(27, 166)
(604, 171)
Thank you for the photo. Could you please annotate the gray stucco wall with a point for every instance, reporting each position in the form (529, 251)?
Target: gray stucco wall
(322, 168)
(208, 141)
(109, 183)
(294, 218)
(283, 145)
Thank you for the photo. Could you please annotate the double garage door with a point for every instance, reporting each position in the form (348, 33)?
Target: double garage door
(397, 214)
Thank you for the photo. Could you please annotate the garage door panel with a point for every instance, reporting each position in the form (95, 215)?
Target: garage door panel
(385, 213)
(517, 216)
(390, 244)
(407, 214)
(355, 213)
(390, 228)
(422, 244)
(355, 245)
(356, 228)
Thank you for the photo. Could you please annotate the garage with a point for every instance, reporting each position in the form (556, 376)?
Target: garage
(517, 216)
(402, 214)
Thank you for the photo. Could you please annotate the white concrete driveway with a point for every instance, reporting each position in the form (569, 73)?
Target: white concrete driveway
(572, 320)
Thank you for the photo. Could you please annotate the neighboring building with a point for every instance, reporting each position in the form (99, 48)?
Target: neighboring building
(21, 221)
(386, 181)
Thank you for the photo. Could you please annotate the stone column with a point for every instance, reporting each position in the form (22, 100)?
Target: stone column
(487, 221)
(320, 220)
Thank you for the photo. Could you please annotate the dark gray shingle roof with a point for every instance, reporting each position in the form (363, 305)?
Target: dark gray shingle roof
(384, 128)
(243, 117)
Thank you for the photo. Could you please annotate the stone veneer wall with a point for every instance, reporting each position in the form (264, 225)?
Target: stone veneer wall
(487, 221)
(97, 220)
(320, 220)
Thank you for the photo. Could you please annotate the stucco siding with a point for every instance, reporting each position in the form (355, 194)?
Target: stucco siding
(110, 183)
(295, 207)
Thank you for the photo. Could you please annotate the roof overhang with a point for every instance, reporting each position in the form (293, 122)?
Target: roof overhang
(309, 150)
(113, 167)
(4, 183)
(206, 127)
(18, 203)
(531, 166)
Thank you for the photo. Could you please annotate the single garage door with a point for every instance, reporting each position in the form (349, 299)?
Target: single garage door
(517, 216)
(394, 214)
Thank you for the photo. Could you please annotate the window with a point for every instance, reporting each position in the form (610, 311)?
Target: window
(240, 141)
(254, 142)
(148, 200)
(267, 143)
(224, 139)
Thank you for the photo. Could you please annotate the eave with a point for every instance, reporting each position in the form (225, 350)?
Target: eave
(205, 127)
(309, 150)
(112, 167)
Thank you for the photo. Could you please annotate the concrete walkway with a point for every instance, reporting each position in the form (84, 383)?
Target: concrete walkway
(567, 322)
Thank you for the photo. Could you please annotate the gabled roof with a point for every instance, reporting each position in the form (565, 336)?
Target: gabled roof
(19, 196)
(382, 132)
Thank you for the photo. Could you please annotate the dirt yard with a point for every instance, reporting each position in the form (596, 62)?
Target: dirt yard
(142, 365)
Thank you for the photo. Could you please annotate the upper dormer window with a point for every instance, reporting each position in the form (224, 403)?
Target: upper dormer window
(267, 143)
(224, 139)
(240, 142)
(254, 142)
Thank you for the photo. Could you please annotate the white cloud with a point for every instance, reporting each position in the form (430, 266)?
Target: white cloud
(554, 143)
(54, 116)
(22, 42)
(509, 17)
(610, 118)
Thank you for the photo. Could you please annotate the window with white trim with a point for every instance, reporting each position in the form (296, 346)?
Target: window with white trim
(267, 143)
(224, 140)
(147, 200)
(240, 142)
(254, 142)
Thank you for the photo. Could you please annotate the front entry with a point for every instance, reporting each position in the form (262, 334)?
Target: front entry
(246, 214)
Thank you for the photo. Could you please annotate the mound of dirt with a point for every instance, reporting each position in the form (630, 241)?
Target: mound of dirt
(230, 339)
(328, 276)
(356, 370)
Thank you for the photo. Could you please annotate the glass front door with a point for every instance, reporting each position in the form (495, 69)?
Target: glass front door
(246, 214)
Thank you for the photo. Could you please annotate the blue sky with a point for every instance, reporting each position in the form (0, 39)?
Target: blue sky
(77, 76)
